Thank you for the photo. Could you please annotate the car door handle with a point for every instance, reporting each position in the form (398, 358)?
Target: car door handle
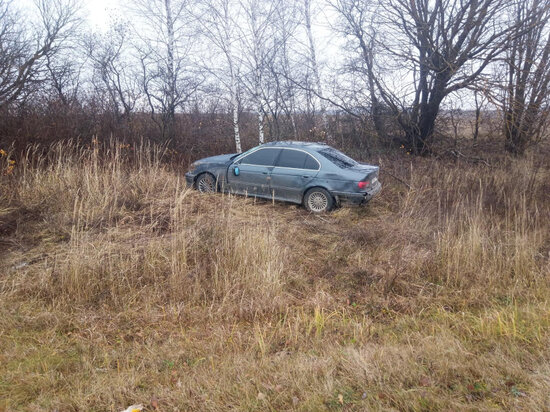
(264, 173)
(306, 176)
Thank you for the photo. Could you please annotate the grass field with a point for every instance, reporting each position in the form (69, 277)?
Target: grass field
(119, 286)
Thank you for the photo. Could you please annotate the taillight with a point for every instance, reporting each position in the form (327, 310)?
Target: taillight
(362, 185)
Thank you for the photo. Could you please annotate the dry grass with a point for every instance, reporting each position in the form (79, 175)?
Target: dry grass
(119, 286)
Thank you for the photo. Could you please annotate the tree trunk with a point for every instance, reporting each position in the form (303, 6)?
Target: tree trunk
(235, 109)
(260, 110)
(516, 137)
(376, 106)
(477, 118)
(234, 100)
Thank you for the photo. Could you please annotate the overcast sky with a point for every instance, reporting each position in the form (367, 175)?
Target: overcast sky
(101, 12)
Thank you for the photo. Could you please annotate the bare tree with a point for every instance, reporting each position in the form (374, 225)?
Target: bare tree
(424, 51)
(525, 101)
(64, 73)
(258, 50)
(218, 24)
(287, 91)
(25, 52)
(282, 92)
(480, 100)
(359, 25)
(108, 55)
(166, 35)
(314, 65)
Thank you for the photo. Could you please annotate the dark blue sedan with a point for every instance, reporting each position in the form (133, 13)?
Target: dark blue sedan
(313, 174)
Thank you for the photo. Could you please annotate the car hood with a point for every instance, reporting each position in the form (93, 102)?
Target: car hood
(220, 159)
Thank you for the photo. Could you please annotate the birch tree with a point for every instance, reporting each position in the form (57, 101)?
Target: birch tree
(218, 24)
(166, 37)
(258, 50)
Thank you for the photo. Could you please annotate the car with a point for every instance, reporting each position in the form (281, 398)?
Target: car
(313, 174)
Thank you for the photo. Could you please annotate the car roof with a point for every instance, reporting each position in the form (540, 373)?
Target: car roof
(296, 144)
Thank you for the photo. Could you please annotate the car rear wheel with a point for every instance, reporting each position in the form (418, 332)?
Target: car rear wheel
(205, 183)
(318, 200)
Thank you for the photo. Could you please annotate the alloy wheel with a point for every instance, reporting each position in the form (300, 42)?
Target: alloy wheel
(317, 202)
(206, 184)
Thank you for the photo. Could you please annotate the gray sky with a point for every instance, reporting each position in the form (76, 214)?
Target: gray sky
(101, 12)
(98, 13)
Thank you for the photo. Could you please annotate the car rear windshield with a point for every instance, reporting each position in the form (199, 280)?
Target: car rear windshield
(338, 158)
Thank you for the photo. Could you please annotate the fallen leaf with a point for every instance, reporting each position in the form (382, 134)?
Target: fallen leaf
(261, 396)
(154, 403)
(341, 398)
(134, 408)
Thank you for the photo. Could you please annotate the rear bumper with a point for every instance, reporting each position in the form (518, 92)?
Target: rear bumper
(357, 198)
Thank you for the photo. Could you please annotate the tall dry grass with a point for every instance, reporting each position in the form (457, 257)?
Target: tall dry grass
(118, 285)
(128, 234)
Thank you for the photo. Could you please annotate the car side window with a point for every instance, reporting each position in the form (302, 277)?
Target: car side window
(292, 158)
(297, 159)
(311, 163)
(261, 157)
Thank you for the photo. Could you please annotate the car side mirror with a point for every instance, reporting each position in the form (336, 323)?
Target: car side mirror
(236, 171)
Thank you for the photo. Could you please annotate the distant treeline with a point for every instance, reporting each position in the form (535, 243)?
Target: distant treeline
(228, 74)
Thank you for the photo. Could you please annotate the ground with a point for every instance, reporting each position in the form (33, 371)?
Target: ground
(118, 286)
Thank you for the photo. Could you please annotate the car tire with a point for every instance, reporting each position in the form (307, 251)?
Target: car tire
(318, 200)
(206, 183)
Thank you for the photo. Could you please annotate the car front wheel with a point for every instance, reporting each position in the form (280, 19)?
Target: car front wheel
(318, 200)
(205, 183)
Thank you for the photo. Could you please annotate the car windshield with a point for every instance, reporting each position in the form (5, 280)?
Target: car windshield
(338, 158)
(243, 154)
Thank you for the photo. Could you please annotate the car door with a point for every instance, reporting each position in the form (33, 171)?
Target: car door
(292, 173)
(250, 174)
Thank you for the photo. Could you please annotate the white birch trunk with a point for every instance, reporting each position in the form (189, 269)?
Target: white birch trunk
(294, 129)
(233, 85)
(260, 123)
(218, 28)
(259, 108)
(257, 72)
(235, 108)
